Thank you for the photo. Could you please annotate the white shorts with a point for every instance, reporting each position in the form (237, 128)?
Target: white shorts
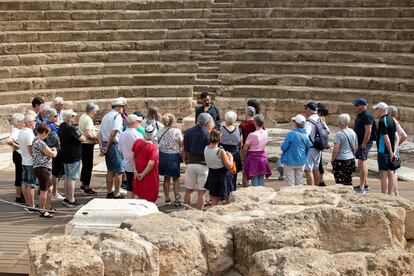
(313, 159)
(195, 176)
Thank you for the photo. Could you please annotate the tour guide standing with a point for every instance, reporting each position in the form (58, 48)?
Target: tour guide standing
(196, 172)
(207, 107)
(364, 128)
(108, 137)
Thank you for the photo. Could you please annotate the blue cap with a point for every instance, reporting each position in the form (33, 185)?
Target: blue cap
(312, 106)
(139, 114)
(360, 101)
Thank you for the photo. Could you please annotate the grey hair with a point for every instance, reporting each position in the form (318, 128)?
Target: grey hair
(57, 100)
(344, 119)
(17, 117)
(91, 106)
(230, 117)
(392, 110)
(259, 120)
(44, 107)
(250, 111)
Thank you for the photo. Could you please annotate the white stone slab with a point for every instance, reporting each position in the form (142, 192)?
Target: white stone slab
(103, 214)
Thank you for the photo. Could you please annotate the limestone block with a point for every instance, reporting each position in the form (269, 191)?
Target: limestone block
(293, 261)
(11, 60)
(32, 59)
(178, 241)
(57, 15)
(101, 214)
(16, 48)
(309, 196)
(64, 255)
(125, 253)
(216, 239)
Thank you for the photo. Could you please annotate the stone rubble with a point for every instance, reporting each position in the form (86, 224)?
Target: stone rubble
(297, 231)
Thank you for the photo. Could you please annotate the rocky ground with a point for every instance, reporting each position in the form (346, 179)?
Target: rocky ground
(297, 231)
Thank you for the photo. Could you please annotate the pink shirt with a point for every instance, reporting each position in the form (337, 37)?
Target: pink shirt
(257, 140)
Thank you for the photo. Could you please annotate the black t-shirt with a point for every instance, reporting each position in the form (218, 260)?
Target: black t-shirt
(213, 111)
(364, 118)
(71, 147)
(386, 126)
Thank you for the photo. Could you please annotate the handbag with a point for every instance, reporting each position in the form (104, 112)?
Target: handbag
(233, 168)
(395, 164)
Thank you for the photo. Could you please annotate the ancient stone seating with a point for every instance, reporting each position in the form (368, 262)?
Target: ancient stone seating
(166, 52)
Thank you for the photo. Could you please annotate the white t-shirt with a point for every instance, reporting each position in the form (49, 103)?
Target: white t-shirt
(86, 123)
(14, 135)
(25, 139)
(111, 121)
(126, 140)
(311, 128)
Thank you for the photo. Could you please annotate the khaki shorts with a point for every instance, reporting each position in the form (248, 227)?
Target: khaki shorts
(195, 176)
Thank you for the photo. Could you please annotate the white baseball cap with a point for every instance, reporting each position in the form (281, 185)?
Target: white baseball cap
(300, 119)
(381, 105)
(117, 102)
(133, 118)
(68, 113)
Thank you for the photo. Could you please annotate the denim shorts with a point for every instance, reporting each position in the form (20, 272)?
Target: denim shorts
(113, 159)
(363, 155)
(72, 170)
(383, 161)
(169, 164)
(28, 177)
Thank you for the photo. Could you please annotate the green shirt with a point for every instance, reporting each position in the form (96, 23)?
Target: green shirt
(141, 130)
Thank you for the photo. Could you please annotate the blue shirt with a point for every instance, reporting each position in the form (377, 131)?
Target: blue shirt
(195, 141)
(295, 148)
(386, 126)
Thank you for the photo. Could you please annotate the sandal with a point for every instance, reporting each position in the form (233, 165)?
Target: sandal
(46, 214)
(51, 210)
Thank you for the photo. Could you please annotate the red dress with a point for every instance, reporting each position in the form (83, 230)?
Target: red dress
(148, 187)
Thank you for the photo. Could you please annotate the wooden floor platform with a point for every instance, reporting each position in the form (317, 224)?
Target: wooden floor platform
(17, 226)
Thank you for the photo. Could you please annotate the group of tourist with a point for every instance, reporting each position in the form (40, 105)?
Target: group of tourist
(47, 146)
(302, 149)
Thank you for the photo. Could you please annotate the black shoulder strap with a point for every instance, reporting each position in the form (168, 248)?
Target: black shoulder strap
(350, 144)
(164, 134)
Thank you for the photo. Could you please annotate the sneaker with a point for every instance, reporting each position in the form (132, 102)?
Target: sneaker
(89, 191)
(120, 196)
(366, 187)
(110, 195)
(72, 204)
(20, 200)
(65, 202)
(31, 210)
(360, 191)
(57, 196)
(123, 191)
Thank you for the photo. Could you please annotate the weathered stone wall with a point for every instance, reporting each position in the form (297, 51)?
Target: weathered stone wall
(165, 52)
(298, 231)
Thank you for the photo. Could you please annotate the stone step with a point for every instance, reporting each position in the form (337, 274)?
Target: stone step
(202, 69)
(104, 5)
(404, 100)
(317, 23)
(215, 33)
(209, 64)
(102, 14)
(323, 33)
(88, 57)
(52, 70)
(221, 15)
(320, 68)
(318, 45)
(207, 76)
(317, 56)
(337, 81)
(17, 84)
(103, 92)
(319, 3)
(322, 12)
(204, 88)
(206, 81)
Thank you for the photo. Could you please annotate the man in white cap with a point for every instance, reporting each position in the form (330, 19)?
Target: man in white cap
(111, 129)
(295, 149)
(71, 149)
(386, 141)
(126, 140)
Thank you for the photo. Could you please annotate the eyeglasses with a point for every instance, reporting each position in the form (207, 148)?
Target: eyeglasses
(56, 116)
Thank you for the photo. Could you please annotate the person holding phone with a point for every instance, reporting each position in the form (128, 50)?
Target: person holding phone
(209, 108)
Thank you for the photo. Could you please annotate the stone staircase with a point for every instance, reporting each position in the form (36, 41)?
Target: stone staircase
(166, 52)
